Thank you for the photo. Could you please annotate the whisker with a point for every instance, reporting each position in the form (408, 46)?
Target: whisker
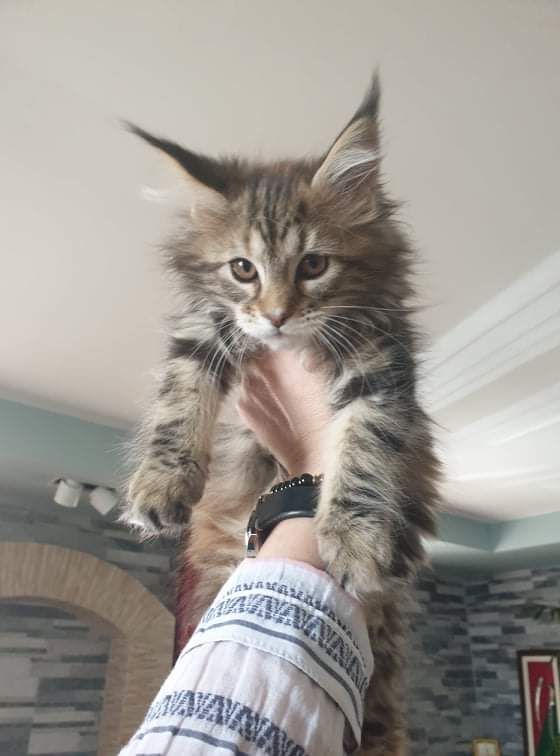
(220, 354)
(244, 349)
(377, 328)
(396, 340)
(342, 340)
(345, 320)
(367, 307)
(331, 348)
(359, 360)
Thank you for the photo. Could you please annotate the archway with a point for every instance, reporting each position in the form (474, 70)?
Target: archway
(141, 628)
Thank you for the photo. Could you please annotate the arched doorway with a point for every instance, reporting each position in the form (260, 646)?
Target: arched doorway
(141, 628)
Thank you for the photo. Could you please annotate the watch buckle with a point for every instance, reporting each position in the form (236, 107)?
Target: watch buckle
(252, 537)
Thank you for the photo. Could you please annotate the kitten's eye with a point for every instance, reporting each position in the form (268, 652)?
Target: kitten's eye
(312, 266)
(243, 270)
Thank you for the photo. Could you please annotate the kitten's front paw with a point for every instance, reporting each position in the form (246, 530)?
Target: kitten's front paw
(348, 556)
(160, 499)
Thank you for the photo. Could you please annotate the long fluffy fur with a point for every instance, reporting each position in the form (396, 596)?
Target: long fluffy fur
(379, 492)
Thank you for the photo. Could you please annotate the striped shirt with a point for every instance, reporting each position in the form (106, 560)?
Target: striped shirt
(278, 665)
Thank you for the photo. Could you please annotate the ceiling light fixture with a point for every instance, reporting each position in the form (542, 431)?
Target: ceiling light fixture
(69, 491)
(103, 499)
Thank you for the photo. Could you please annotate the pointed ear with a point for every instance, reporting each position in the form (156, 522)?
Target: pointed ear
(349, 172)
(206, 175)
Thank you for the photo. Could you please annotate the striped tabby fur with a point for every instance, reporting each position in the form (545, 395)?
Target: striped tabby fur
(379, 492)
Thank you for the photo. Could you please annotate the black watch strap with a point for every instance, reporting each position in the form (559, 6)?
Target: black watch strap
(295, 498)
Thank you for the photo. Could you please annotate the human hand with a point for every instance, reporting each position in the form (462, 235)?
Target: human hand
(285, 404)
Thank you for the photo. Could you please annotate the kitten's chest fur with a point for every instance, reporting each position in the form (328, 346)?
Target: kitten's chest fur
(240, 470)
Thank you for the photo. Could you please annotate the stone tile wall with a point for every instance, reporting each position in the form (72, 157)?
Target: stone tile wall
(499, 626)
(52, 675)
(52, 665)
(463, 666)
(441, 685)
(83, 529)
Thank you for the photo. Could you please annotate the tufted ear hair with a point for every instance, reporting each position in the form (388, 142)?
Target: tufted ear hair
(349, 171)
(205, 175)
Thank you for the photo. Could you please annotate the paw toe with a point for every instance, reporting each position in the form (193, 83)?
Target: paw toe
(159, 501)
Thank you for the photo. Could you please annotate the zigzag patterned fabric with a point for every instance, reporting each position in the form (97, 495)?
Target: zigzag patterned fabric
(278, 665)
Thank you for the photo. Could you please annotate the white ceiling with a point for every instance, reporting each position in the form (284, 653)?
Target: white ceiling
(471, 114)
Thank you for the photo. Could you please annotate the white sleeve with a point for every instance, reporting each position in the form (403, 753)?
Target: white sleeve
(278, 665)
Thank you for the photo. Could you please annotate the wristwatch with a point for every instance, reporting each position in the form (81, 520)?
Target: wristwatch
(291, 498)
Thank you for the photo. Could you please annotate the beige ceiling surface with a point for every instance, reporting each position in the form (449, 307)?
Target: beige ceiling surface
(471, 118)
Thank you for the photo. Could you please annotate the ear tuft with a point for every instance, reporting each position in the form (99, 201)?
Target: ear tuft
(371, 101)
(349, 172)
(205, 171)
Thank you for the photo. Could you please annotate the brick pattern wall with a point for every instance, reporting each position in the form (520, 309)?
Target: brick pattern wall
(441, 686)
(463, 679)
(52, 665)
(52, 675)
(499, 626)
(83, 529)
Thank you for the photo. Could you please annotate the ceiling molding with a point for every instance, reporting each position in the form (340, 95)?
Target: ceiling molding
(520, 419)
(508, 477)
(472, 546)
(514, 327)
(497, 451)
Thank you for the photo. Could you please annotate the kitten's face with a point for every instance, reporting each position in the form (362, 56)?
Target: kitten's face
(282, 264)
(279, 274)
(295, 252)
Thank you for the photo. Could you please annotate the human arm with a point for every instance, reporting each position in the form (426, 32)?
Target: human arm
(281, 660)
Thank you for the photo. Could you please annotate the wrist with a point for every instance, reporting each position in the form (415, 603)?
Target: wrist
(293, 539)
(285, 517)
(301, 464)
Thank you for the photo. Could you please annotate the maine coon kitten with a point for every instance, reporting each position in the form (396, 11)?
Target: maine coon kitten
(304, 255)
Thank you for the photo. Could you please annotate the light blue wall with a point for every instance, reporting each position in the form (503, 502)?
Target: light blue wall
(40, 445)
(466, 545)
(47, 443)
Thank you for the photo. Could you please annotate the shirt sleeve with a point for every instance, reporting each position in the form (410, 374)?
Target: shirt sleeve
(278, 665)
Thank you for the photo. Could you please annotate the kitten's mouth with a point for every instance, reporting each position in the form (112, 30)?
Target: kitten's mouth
(282, 340)
(274, 338)
(277, 340)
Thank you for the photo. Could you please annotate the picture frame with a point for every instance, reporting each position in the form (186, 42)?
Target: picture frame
(539, 682)
(486, 747)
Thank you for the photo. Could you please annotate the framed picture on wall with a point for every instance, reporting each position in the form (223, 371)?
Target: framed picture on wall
(540, 699)
(485, 747)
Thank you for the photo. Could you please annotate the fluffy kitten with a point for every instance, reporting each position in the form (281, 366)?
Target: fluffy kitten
(304, 255)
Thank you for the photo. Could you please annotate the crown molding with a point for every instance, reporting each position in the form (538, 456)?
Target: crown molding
(531, 415)
(513, 328)
(472, 546)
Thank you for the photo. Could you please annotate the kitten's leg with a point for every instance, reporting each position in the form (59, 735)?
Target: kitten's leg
(376, 502)
(385, 729)
(175, 442)
(240, 471)
(377, 495)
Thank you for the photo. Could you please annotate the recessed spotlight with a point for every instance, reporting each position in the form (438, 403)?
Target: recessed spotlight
(103, 499)
(67, 492)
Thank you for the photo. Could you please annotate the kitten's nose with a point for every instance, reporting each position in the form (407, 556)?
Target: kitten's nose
(276, 317)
